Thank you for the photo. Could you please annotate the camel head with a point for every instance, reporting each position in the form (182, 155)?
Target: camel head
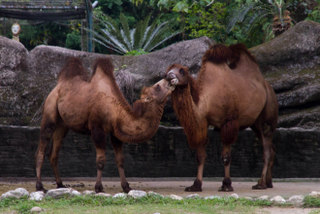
(157, 93)
(177, 75)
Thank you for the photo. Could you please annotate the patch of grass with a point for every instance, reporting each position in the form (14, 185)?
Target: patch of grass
(310, 201)
(150, 204)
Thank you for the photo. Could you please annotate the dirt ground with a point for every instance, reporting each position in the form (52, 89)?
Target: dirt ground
(167, 186)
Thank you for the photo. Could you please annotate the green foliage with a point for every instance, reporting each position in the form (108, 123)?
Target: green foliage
(315, 14)
(121, 39)
(136, 52)
(310, 201)
(207, 21)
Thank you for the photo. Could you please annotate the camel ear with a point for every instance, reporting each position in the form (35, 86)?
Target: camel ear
(138, 108)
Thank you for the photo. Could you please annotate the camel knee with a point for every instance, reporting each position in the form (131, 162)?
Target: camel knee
(46, 131)
(100, 163)
(226, 158)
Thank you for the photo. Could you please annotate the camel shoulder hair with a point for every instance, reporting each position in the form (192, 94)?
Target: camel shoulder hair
(72, 68)
(220, 53)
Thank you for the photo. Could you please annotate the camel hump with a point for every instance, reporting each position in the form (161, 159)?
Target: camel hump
(72, 68)
(105, 64)
(220, 53)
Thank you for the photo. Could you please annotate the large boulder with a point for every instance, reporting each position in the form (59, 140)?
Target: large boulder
(291, 63)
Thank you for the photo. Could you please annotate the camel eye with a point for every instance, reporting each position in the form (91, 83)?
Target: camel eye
(181, 71)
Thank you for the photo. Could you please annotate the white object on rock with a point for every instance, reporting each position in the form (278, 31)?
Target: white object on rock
(137, 193)
(102, 194)
(234, 195)
(193, 196)
(278, 199)
(37, 196)
(74, 192)
(175, 197)
(263, 197)
(36, 210)
(120, 195)
(17, 193)
(296, 199)
(88, 192)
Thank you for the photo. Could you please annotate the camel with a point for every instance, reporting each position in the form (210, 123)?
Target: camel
(95, 106)
(230, 94)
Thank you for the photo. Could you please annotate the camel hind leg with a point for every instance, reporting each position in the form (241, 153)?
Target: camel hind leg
(117, 147)
(58, 135)
(265, 127)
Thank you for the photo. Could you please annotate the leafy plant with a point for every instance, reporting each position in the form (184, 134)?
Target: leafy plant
(121, 39)
(271, 14)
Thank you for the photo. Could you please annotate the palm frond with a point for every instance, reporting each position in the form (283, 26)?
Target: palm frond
(239, 15)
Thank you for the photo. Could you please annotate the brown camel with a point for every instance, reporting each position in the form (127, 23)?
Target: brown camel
(230, 94)
(96, 106)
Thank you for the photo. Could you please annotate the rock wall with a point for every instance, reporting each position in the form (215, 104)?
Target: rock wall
(165, 155)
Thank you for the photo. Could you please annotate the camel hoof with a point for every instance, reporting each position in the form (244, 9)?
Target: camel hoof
(39, 187)
(259, 186)
(98, 188)
(225, 188)
(126, 188)
(60, 185)
(269, 185)
(196, 187)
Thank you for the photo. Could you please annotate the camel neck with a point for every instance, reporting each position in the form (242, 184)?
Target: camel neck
(136, 129)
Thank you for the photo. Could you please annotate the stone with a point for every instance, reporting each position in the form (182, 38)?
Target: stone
(234, 195)
(102, 194)
(278, 199)
(88, 192)
(248, 198)
(120, 195)
(212, 197)
(314, 194)
(36, 210)
(151, 193)
(58, 193)
(137, 193)
(296, 199)
(75, 193)
(193, 196)
(263, 197)
(175, 197)
(37, 196)
(17, 193)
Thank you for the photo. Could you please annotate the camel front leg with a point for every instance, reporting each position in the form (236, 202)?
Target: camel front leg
(117, 147)
(268, 156)
(58, 136)
(226, 159)
(98, 136)
(201, 157)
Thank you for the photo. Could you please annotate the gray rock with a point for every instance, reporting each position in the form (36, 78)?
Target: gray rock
(37, 196)
(278, 199)
(36, 210)
(263, 197)
(120, 195)
(17, 193)
(193, 196)
(212, 197)
(234, 195)
(248, 198)
(314, 194)
(75, 193)
(137, 193)
(88, 192)
(58, 193)
(151, 193)
(296, 199)
(175, 197)
(102, 194)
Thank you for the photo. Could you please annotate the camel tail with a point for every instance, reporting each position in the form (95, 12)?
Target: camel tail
(105, 64)
(72, 68)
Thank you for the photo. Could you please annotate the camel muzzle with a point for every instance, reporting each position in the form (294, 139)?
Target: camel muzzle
(172, 78)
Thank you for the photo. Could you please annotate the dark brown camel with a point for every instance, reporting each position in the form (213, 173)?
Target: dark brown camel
(97, 107)
(230, 94)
